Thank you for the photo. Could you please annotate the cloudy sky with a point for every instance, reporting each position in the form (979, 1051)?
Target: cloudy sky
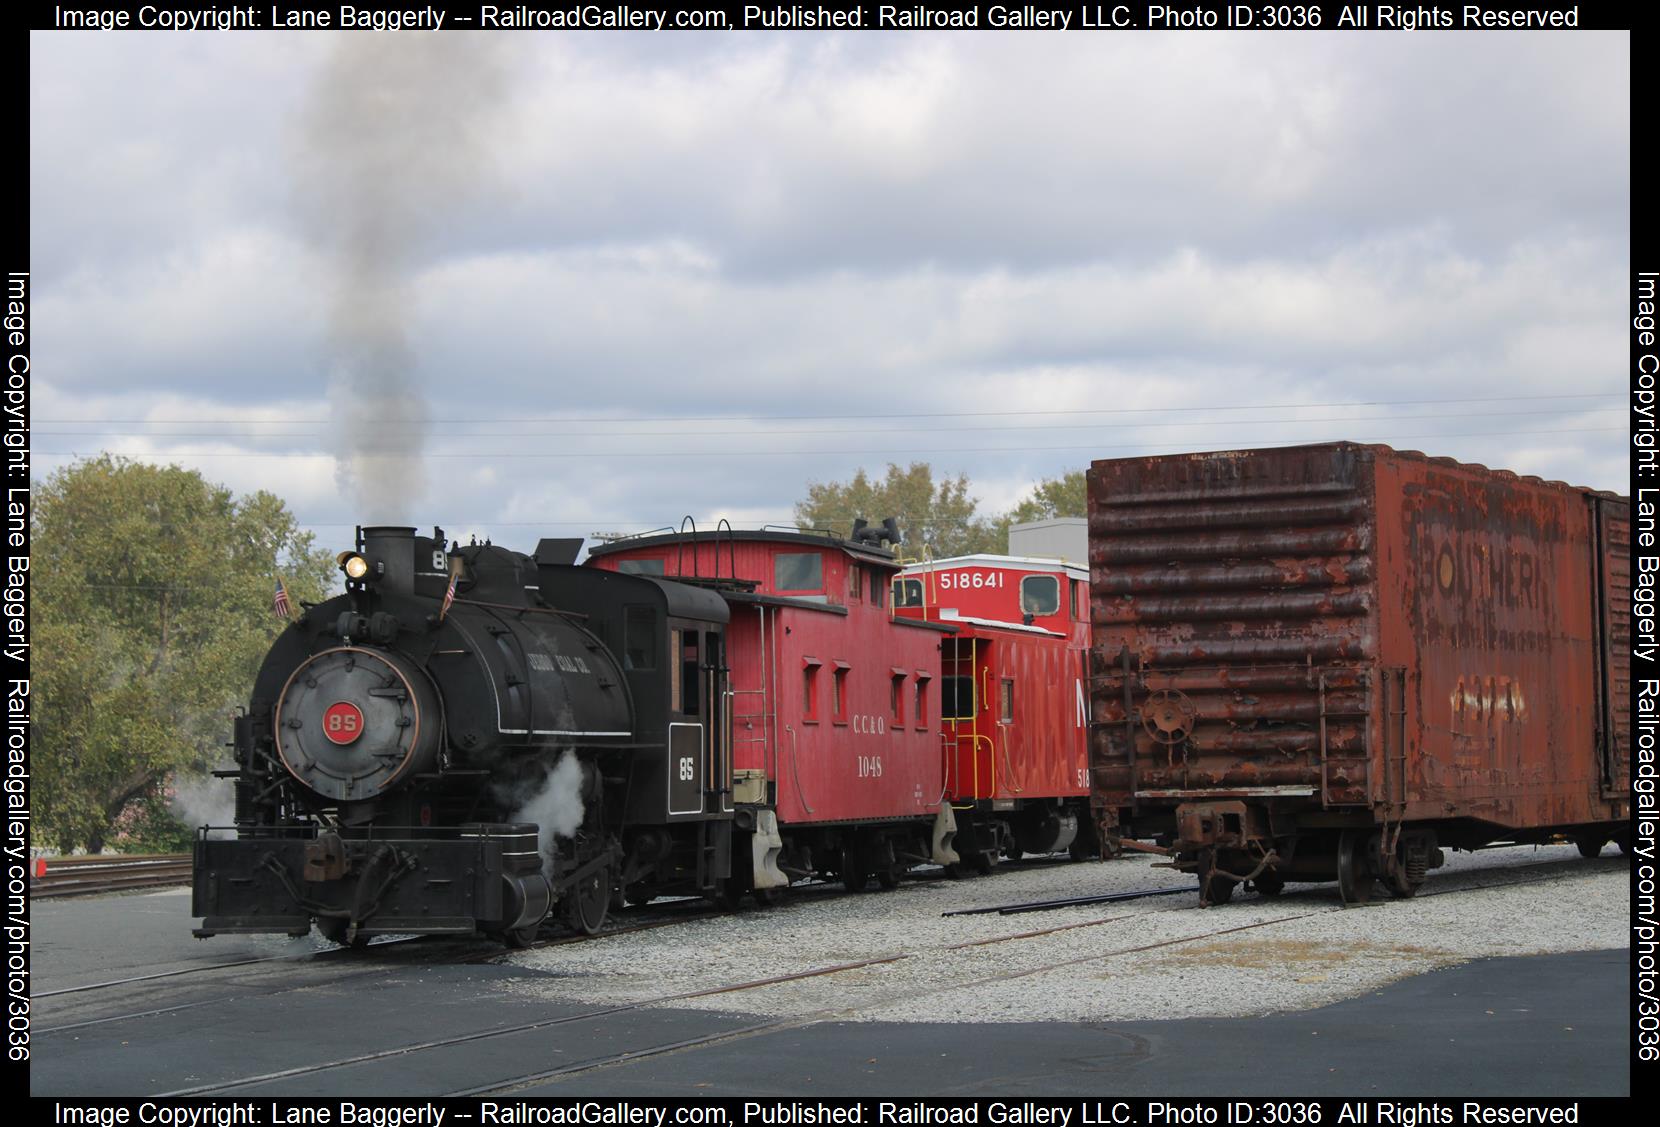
(553, 283)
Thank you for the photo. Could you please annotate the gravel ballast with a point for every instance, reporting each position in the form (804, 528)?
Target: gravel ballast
(1108, 961)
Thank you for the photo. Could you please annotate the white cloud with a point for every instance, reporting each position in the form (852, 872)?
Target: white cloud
(864, 226)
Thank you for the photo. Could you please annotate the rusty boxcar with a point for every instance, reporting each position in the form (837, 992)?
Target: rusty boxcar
(1328, 662)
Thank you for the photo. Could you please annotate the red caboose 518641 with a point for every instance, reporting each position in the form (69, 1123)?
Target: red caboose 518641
(1013, 702)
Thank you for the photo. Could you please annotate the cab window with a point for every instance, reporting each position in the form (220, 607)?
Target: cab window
(639, 638)
(1040, 594)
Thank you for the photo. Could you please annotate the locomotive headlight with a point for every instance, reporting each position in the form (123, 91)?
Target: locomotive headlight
(354, 565)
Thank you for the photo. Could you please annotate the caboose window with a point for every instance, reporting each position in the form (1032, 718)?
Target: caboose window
(956, 698)
(809, 690)
(798, 571)
(875, 587)
(640, 567)
(1006, 698)
(1040, 594)
(639, 638)
(907, 592)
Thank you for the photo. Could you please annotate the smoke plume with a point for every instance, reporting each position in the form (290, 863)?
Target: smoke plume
(555, 805)
(391, 149)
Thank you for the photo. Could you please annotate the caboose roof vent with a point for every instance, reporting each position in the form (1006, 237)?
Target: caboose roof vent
(864, 533)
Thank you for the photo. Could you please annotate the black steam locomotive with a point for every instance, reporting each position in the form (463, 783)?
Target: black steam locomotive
(403, 752)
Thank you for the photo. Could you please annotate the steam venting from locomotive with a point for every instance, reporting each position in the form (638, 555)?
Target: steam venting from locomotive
(389, 148)
(203, 802)
(555, 805)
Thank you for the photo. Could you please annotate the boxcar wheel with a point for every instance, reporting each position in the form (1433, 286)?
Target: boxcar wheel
(1214, 887)
(1218, 891)
(1590, 846)
(1354, 875)
(1402, 887)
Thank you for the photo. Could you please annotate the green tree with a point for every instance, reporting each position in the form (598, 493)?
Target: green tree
(1064, 496)
(936, 519)
(151, 598)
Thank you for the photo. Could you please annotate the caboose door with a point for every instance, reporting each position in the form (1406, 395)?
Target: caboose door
(967, 711)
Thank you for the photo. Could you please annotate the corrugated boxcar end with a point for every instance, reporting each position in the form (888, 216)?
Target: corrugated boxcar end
(1333, 648)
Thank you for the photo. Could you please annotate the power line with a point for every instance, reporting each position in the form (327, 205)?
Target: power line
(895, 414)
(600, 455)
(1049, 428)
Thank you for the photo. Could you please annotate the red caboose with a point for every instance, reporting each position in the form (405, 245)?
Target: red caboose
(1013, 701)
(834, 703)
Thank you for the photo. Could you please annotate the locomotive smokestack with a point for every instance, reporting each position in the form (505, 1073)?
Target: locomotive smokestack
(388, 149)
(393, 546)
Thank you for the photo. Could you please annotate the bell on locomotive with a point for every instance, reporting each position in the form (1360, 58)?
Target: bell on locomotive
(393, 736)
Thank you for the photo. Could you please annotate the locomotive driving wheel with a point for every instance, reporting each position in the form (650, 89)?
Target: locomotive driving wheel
(587, 902)
(334, 928)
(520, 937)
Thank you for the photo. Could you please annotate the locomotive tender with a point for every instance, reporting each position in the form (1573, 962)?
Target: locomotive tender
(1327, 662)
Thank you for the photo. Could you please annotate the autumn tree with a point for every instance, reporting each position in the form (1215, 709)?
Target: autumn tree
(151, 591)
(1053, 497)
(937, 519)
(940, 517)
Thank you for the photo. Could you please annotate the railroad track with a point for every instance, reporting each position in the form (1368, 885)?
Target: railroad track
(83, 876)
(352, 958)
(840, 1011)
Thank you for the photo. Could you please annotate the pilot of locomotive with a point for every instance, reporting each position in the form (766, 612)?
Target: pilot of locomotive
(418, 758)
